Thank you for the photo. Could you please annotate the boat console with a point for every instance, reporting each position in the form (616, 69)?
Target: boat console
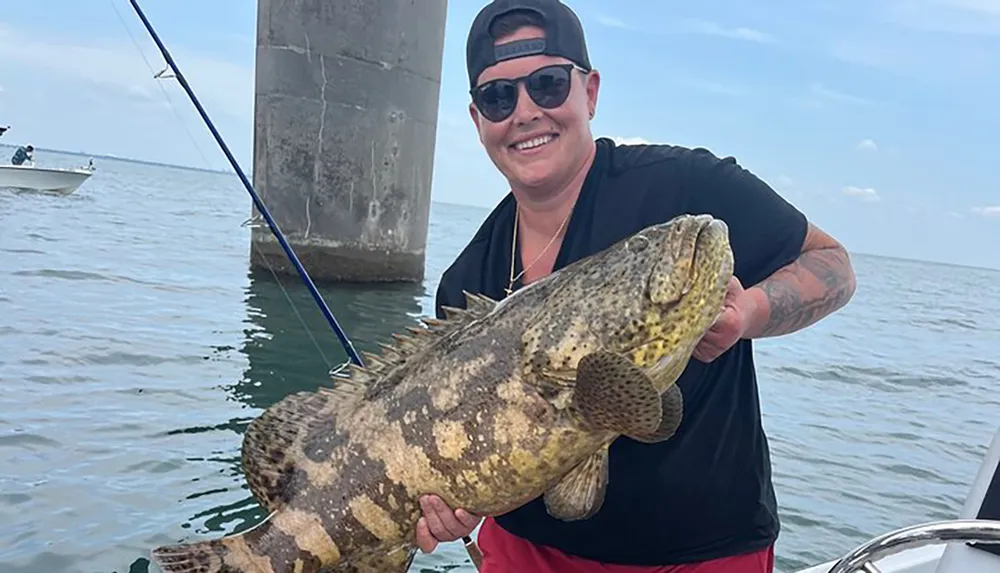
(983, 503)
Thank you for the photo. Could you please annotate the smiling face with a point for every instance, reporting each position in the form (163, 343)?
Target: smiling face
(539, 148)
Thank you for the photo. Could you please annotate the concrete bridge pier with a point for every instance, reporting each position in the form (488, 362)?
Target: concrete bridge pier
(345, 117)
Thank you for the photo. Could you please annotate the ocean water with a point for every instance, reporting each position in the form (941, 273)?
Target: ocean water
(135, 346)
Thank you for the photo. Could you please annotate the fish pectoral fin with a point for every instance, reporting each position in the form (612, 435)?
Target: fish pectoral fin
(615, 395)
(672, 407)
(580, 493)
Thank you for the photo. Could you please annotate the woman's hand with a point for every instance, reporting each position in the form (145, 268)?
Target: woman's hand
(440, 524)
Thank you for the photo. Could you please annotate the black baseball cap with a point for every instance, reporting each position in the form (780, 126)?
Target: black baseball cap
(563, 36)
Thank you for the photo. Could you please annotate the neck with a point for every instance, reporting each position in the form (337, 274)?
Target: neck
(543, 210)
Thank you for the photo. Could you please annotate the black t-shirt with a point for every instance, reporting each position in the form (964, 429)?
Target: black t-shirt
(706, 492)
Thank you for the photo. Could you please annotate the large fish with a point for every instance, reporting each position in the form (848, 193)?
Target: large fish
(490, 408)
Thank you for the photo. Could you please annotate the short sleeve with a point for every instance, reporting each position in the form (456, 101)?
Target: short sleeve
(766, 232)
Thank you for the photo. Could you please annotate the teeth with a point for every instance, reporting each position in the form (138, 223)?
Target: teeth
(531, 143)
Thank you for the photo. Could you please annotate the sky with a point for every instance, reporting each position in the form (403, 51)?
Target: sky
(877, 118)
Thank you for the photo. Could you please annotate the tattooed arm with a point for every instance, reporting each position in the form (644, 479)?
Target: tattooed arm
(766, 232)
(798, 295)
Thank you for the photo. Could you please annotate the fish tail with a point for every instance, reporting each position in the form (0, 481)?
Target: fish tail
(266, 548)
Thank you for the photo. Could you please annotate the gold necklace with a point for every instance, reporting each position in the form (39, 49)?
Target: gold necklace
(513, 250)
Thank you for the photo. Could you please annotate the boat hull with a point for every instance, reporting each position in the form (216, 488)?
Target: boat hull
(63, 181)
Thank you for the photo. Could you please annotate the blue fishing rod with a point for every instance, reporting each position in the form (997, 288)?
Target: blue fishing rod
(346, 342)
(470, 544)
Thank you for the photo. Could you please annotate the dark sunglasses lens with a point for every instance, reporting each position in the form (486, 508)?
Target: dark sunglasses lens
(549, 87)
(497, 99)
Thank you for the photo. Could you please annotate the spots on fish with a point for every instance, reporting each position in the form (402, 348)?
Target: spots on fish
(513, 427)
(321, 439)
(392, 501)
(294, 540)
(450, 438)
(374, 518)
(510, 390)
(523, 460)
(449, 392)
(421, 431)
(405, 462)
(308, 535)
(346, 508)
(445, 397)
(240, 556)
(308, 473)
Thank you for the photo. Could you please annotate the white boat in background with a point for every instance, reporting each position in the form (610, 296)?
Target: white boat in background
(47, 179)
(968, 544)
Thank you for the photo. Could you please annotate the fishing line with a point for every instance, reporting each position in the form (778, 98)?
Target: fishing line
(170, 103)
(261, 208)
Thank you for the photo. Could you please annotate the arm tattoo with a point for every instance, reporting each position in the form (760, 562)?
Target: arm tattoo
(805, 291)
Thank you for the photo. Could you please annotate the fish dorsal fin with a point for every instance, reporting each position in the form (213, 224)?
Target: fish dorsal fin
(275, 438)
(479, 304)
(273, 443)
(417, 339)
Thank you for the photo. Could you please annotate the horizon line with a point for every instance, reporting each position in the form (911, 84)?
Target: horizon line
(231, 171)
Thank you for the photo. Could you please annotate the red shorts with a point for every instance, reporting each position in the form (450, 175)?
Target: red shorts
(506, 553)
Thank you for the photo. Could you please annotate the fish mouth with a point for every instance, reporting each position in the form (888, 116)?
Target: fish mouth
(710, 256)
(698, 246)
(709, 233)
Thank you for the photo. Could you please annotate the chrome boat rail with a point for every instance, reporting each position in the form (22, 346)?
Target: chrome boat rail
(933, 533)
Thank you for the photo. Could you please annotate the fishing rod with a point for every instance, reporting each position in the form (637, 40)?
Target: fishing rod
(346, 342)
(470, 545)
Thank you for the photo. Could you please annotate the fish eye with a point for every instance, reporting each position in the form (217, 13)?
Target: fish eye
(637, 244)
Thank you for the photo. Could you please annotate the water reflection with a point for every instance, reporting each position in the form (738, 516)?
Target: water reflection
(289, 347)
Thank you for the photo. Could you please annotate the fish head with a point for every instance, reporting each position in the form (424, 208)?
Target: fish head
(649, 297)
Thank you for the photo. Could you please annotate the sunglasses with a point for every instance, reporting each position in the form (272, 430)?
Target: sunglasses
(548, 87)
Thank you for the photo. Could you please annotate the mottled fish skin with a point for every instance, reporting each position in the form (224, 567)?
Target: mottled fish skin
(479, 409)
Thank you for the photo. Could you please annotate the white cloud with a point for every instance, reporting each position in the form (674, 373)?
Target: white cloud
(972, 17)
(223, 87)
(990, 211)
(708, 86)
(823, 92)
(866, 194)
(784, 182)
(630, 140)
(710, 28)
(867, 145)
(611, 21)
(694, 26)
(819, 96)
